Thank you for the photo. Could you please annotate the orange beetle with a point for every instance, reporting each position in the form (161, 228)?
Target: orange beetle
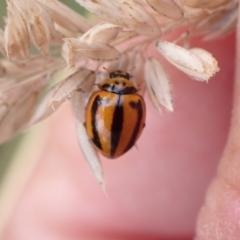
(115, 115)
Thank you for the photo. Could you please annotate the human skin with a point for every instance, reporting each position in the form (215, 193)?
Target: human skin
(156, 190)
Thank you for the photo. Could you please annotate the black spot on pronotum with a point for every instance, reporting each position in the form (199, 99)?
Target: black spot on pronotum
(116, 82)
(105, 86)
(138, 107)
(112, 88)
(95, 139)
(117, 124)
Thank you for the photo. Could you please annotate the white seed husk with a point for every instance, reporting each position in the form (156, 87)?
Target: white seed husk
(86, 146)
(158, 85)
(199, 65)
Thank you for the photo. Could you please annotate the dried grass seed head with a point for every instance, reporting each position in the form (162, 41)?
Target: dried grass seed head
(119, 43)
(34, 21)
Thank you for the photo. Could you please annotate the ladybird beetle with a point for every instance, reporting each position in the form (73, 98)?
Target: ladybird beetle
(115, 115)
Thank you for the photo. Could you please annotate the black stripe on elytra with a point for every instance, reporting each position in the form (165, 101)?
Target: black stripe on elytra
(118, 89)
(95, 105)
(137, 106)
(117, 124)
(128, 90)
